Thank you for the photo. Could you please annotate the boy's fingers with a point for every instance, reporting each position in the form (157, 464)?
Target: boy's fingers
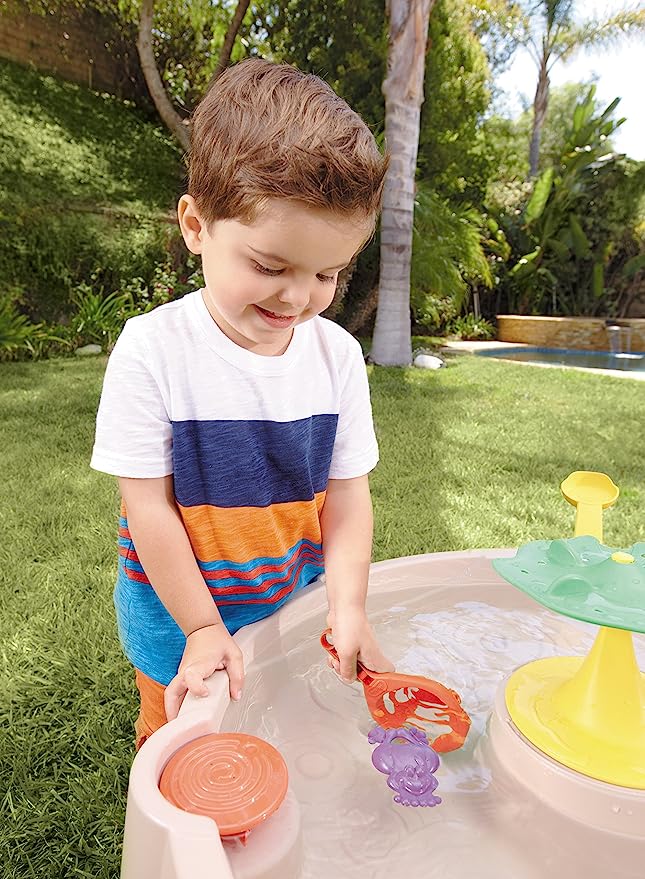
(334, 665)
(348, 667)
(235, 671)
(173, 697)
(195, 682)
(376, 661)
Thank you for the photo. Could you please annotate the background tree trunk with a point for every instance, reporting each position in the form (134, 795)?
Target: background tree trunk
(540, 105)
(229, 39)
(344, 280)
(171, 118)
(403, 90)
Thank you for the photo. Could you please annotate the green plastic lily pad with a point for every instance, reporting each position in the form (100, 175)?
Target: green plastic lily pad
(583, 579)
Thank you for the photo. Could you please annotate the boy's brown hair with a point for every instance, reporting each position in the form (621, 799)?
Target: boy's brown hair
(270, 131)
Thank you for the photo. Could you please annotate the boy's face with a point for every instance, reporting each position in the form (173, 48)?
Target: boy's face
(264, 277)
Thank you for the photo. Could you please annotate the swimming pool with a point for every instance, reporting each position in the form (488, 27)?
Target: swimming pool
(570, 357)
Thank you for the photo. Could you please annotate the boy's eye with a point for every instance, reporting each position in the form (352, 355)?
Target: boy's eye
(265, 270)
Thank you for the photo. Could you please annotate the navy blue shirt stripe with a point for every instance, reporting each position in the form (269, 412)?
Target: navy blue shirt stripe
(252, 463)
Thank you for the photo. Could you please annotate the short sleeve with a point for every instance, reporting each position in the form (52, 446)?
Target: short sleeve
(355, 450)
(133, 428)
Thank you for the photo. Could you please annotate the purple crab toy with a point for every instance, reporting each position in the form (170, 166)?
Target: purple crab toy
(405, 756)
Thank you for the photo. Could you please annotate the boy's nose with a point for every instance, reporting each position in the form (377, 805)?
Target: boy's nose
(295, 295)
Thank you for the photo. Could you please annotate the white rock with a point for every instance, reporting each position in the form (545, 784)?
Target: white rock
(87, 350)
(428, 361)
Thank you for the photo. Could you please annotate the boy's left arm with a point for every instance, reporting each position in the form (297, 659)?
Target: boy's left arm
(346, 523)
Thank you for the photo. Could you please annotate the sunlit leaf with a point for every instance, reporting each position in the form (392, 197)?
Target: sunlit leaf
(634, 265)
(580, 241)
(540, 196)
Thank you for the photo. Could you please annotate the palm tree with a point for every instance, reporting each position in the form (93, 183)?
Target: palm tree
(551, 34)
(403, 90)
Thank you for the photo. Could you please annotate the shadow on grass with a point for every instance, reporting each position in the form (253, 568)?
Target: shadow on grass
(409, 487)
(472, 456)
(67, 696)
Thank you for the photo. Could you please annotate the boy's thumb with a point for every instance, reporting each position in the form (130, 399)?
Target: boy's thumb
(235, 671)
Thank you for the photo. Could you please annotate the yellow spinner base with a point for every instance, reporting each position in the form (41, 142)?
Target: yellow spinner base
(588, 714)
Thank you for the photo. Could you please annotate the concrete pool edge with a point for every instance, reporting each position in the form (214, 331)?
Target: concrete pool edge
(488, 348)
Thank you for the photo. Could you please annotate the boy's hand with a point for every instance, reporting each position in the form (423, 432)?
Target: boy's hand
(206, 650)
(354, 639)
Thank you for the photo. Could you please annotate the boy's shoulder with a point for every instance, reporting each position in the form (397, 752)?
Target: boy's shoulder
(166, 315)
(168, 327)
(337, 337)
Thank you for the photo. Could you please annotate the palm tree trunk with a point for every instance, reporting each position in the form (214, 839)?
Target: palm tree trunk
(540, 104)
(171, 118)
(403, 90)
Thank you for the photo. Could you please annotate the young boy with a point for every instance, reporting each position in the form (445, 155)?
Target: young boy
(237, 420)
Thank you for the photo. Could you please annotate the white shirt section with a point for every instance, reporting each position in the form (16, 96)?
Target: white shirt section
(175, 364)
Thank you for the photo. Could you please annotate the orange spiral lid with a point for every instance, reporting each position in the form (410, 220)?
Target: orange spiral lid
(236, 779)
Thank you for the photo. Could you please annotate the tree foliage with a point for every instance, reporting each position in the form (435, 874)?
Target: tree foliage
(452, 151)
(507, 140)
(187, 36)
(574, 221)
(568, 241)
(551, 33)
(343, 41)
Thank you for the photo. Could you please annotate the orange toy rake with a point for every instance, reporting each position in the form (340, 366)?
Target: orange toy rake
(397, 700)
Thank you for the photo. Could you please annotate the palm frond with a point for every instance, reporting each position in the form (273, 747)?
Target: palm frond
(600, 33)
(447, 251)
(558, 14)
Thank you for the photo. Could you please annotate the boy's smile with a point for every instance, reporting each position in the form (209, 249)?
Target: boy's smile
(264, 277)
(280, 321)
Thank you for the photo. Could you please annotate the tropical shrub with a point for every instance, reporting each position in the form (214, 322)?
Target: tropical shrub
(20, 338)
(448, 258)
(14, 327)
(434, 314)
(571, 227)
(473, 328)
(99, 318)
(625, 270)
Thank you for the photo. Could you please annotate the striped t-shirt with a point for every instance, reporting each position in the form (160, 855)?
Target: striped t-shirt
(251, 442)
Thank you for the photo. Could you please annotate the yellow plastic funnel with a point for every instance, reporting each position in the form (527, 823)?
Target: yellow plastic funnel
(590, 493)
(587, 713)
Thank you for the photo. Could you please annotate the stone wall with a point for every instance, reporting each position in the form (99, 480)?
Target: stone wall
(80, 46)
(637, 308)
(586, 333)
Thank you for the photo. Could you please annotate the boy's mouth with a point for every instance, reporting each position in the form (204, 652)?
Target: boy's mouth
(276, 320)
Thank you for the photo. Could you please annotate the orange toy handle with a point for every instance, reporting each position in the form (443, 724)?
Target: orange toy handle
(406, 696)
(362, 673)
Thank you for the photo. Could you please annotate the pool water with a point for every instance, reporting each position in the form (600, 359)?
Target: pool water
(570, 357)
(469, 636)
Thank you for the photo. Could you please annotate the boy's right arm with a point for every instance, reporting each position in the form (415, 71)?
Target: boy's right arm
(165, 552)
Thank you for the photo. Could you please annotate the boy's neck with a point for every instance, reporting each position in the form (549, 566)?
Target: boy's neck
(272, 349)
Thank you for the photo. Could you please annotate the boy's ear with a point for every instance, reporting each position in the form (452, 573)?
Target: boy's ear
(192, 226)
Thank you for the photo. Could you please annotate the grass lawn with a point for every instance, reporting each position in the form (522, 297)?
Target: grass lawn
(471, 456)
